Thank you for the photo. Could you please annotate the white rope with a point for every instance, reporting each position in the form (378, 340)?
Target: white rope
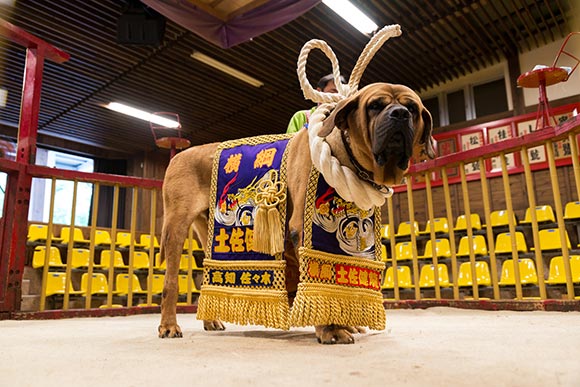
(345, 181)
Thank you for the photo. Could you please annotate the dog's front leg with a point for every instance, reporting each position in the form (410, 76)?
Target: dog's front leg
(337, 334)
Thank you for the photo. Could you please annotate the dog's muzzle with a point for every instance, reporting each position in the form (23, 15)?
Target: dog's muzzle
(394, 136)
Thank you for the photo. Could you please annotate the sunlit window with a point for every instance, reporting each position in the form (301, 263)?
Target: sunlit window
(64, 190)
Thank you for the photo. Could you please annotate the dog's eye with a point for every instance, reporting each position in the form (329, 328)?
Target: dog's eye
(376, 105)
(412, 108)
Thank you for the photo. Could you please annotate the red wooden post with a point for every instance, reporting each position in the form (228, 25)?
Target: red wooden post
(13, 228)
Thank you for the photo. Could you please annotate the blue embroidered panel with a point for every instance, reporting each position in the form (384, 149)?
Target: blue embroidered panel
(240, 169)
(339, 226)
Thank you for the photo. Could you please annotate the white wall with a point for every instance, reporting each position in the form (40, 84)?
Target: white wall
(544, 55)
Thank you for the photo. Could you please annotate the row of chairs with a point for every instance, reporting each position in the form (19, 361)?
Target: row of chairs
(80, 258)
(527, 268)
(57, 282)
(498, 219)
(38, 233)
(549, 240)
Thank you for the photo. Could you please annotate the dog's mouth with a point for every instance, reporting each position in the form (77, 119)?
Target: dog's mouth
(393, 143)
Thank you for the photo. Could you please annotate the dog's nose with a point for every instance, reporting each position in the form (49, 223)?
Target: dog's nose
(399, 113)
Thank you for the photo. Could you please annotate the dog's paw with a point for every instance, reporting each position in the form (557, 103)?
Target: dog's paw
(169, 331)
(213, 325)
(337, 334)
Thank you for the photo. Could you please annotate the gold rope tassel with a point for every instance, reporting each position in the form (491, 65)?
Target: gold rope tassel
(268, 229)
(260, 307)
(324, 304)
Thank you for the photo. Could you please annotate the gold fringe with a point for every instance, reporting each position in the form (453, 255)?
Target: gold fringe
(324, 304)
(244, 307)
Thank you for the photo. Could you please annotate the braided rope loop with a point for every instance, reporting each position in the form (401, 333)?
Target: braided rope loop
(346, 182)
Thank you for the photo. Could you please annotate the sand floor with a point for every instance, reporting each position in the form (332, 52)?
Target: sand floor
(433, 347)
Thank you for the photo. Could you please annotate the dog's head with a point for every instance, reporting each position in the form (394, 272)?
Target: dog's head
(387, 126)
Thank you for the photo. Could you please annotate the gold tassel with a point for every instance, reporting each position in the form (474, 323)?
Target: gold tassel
(325, 304)
(243, 307)
(268, 229)
(261, 241)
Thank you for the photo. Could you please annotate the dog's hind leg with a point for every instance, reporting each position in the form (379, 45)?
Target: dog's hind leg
(172, 238)
(185, 202)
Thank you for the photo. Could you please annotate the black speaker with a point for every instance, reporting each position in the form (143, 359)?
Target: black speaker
(140, 25)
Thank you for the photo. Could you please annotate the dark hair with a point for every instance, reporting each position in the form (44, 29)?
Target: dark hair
(327, 78)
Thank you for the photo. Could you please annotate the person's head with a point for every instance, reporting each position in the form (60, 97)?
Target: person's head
(326, 84)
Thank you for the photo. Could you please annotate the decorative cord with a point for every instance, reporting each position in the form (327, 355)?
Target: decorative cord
(345, 181)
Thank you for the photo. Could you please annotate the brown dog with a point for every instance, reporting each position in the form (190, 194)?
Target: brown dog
(385, 125)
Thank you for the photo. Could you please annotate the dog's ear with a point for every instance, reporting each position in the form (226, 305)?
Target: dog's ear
(339, 116)
(426, 140)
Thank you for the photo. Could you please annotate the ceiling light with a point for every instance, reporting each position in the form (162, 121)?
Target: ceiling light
(142, 115)
(226, 69)
(353, 15)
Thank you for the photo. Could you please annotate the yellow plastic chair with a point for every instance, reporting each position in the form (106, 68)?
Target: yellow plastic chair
(184, 263)
(482, 274)
(194, 245)
(157, 283)
(99, 284)
(157, 265)
(405, 229)
(442, 249)
(384, 255)
(427, 276)
(440, 225)
(77, 236)
(500, 218)
(112, 306)
(56, 283)
(544, 214)
(557, 273)
(385, 232)
(117, 259)
(461, 222)
(122, 284)
(528, 274)
(479, 246)
(572, 211)
(550, 239)
(39, 233)
(140, 260)
(145, 241)
(182, 283)
(39, 256)
(80, 257)
(403, 251)
(102, 238)
(503, 243)
(403, 275)
(124, 240)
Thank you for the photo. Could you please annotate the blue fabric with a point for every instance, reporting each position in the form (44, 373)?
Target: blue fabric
(240, 168)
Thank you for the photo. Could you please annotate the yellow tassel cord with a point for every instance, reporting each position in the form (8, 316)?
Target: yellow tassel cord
(323, 304)
(268, 229)
(256, 307)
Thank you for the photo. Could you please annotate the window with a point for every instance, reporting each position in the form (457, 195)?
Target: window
(471, 102)
(432, 104)
(64, 190)
(490, 98)
(456, 107)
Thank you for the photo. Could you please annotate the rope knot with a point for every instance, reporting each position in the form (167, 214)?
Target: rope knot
(346, 182)
(270, 191)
